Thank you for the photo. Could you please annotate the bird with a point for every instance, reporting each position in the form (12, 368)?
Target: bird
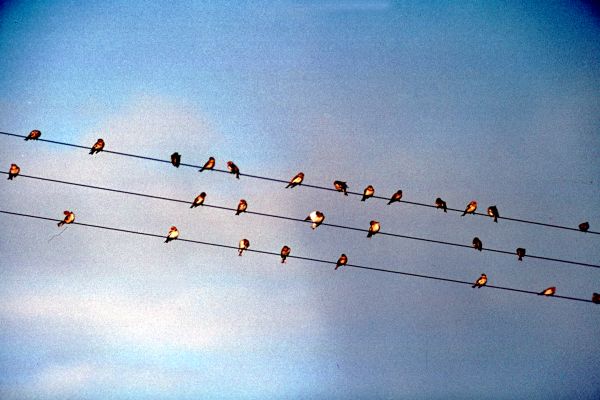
(296, 180)
(233, 169)
(471, 207)
(13, 171)
(176, 159)
(343, 260)
(439, 203)
(210, 164)
(374, 228)
(97, 147)
(242, 206)
(584, 226)
(481, 281)
(493, 212)
(69, 218)
(596, 298)
(396, 197)
(317, 218)
(34, 135)
(521, 253)
(548, 292)
(341, 186)
(477, 243)
(172, 235)
(199, 200)
(285, 251)
(368, 192)
(244, 244)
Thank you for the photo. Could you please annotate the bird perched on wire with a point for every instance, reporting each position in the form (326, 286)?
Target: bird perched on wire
(242, 206)
(368, 192)
(548, 292)
(521, 253)
(481, 281)
(584, 226)
(439, 203)
(477, 245)
(176, 159)
(316, 217)
(13, 171)
(374, 228)
(233, 169)
(341, 186)
(343, 260)
(296, 180)
(492, 211)
(243, 245)
(34, 135)
(596, 298)
(395, 197)
(285, 251)
(97, 147)
(210, 164)
(69, 218)
(172, 235)
(471, 207)
(199, 200)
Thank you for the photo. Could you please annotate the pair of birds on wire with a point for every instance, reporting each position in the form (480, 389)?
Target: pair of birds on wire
(478, 245)
(482, 281)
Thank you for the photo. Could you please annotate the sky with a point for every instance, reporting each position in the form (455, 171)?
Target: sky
(497, 102)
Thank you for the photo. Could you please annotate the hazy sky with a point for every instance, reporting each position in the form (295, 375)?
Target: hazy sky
(493, 101)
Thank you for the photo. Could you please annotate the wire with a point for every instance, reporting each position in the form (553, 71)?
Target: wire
(318, 260)
(397, 235)
(266, 178)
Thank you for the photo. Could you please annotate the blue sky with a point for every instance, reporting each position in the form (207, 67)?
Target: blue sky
(489, 101)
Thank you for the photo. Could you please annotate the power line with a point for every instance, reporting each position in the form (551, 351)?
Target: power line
(266, 178)
(318, 260)
(396, 235)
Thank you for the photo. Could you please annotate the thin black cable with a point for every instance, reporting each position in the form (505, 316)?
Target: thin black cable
(265, 178)
(318, 260)
(397, 235)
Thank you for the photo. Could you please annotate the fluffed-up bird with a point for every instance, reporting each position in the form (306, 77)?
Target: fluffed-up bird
(199, 200)
(233, 169)
(34, 135)
(584, 226)
(471, 207)
(596, 298)
(343, 260)
(341, 186)
(439, 203)
(477, 245)
(243, 245)
(296, 180)
(316, 217)
(395, 197)
(242, 206)
(172, 235)
(176, 159)
(368, 192)
(548, 292)
(374, 228)
(521, 253)
(68, 219)
(210, 164)
(285, 251)
(481, 281)
(493, 212)
(97, 147)
(13, 171)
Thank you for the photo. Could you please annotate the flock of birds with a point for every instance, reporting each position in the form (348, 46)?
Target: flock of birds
(316, 217)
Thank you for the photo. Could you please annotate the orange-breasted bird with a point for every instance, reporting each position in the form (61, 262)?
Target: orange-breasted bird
(233, 169)
(481, 281)
(493, 212)
(317, 218)
(285, 251)
(242, 206)
(69, 218)
(471, 207)
(343, 260)
(584, 226)
(521, 253)
(374, 228)
(13, 171)
(368, 192)
(243, 245)
(341, 186)
(97, 147)
(395, 197)
(172, 235)
(439, 203)
(199, 200)
(548, 292)
(176, 159)
(596, 298)
(477, 245)
(296, 180)
(34, 135)
(210, 164)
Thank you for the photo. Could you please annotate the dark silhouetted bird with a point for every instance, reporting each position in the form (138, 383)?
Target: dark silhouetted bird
(548, 292)
(343, 260)
(210, 164)
(316, 217)
(285, 251)
(233, 169)
(477, 245)
(172, 235)
(341, 187)
(368, 192)
(493, 212)
(69, 218)
(596, 298)
(34, 135)
(242, 206)
(374, 228)
(97, 147)
(296, 180)
(244, 244)
(199, 200)
(584, 226)
(521, 253)
(439, 203)
(481, 281)
(395, 197)
(176, 159)
(471, 207)
(13, 171)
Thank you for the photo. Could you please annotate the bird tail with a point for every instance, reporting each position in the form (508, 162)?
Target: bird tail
(237, 213)
(167, 240)
(496, 219)
(289, 184)
(390, 202)
(445, 210)
(336, 267)
(201, 169)
(520, 258)
(463, 214)
(92, 151)
(193, 205)
(363, 198)
(474, 286)
(61, 223)
(345, 193)
(283, 260)
(369, 235)
(27, 138)
(240, 252)
(237, 175)
(10, 177)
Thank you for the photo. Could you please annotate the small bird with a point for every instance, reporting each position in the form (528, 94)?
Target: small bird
(69, 218)
(176, 159)
(477, 243)
(34, 135)
(395, 197)
(368, 192)
(343, 260)
(242, 206)
(584, 226)
(493, 212)
(13, 171)
(317, 218)
(233, 169)
(172, 235)
(244, 244)
(210, 164)
(439, 203)
(596, 298)
(341, 187)
(471, 207)
(481, 281)
(97, 147)
(548, 292)
(285, 251)
(296, 180)
(374, 228)
(199, 200)
(521, 253)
